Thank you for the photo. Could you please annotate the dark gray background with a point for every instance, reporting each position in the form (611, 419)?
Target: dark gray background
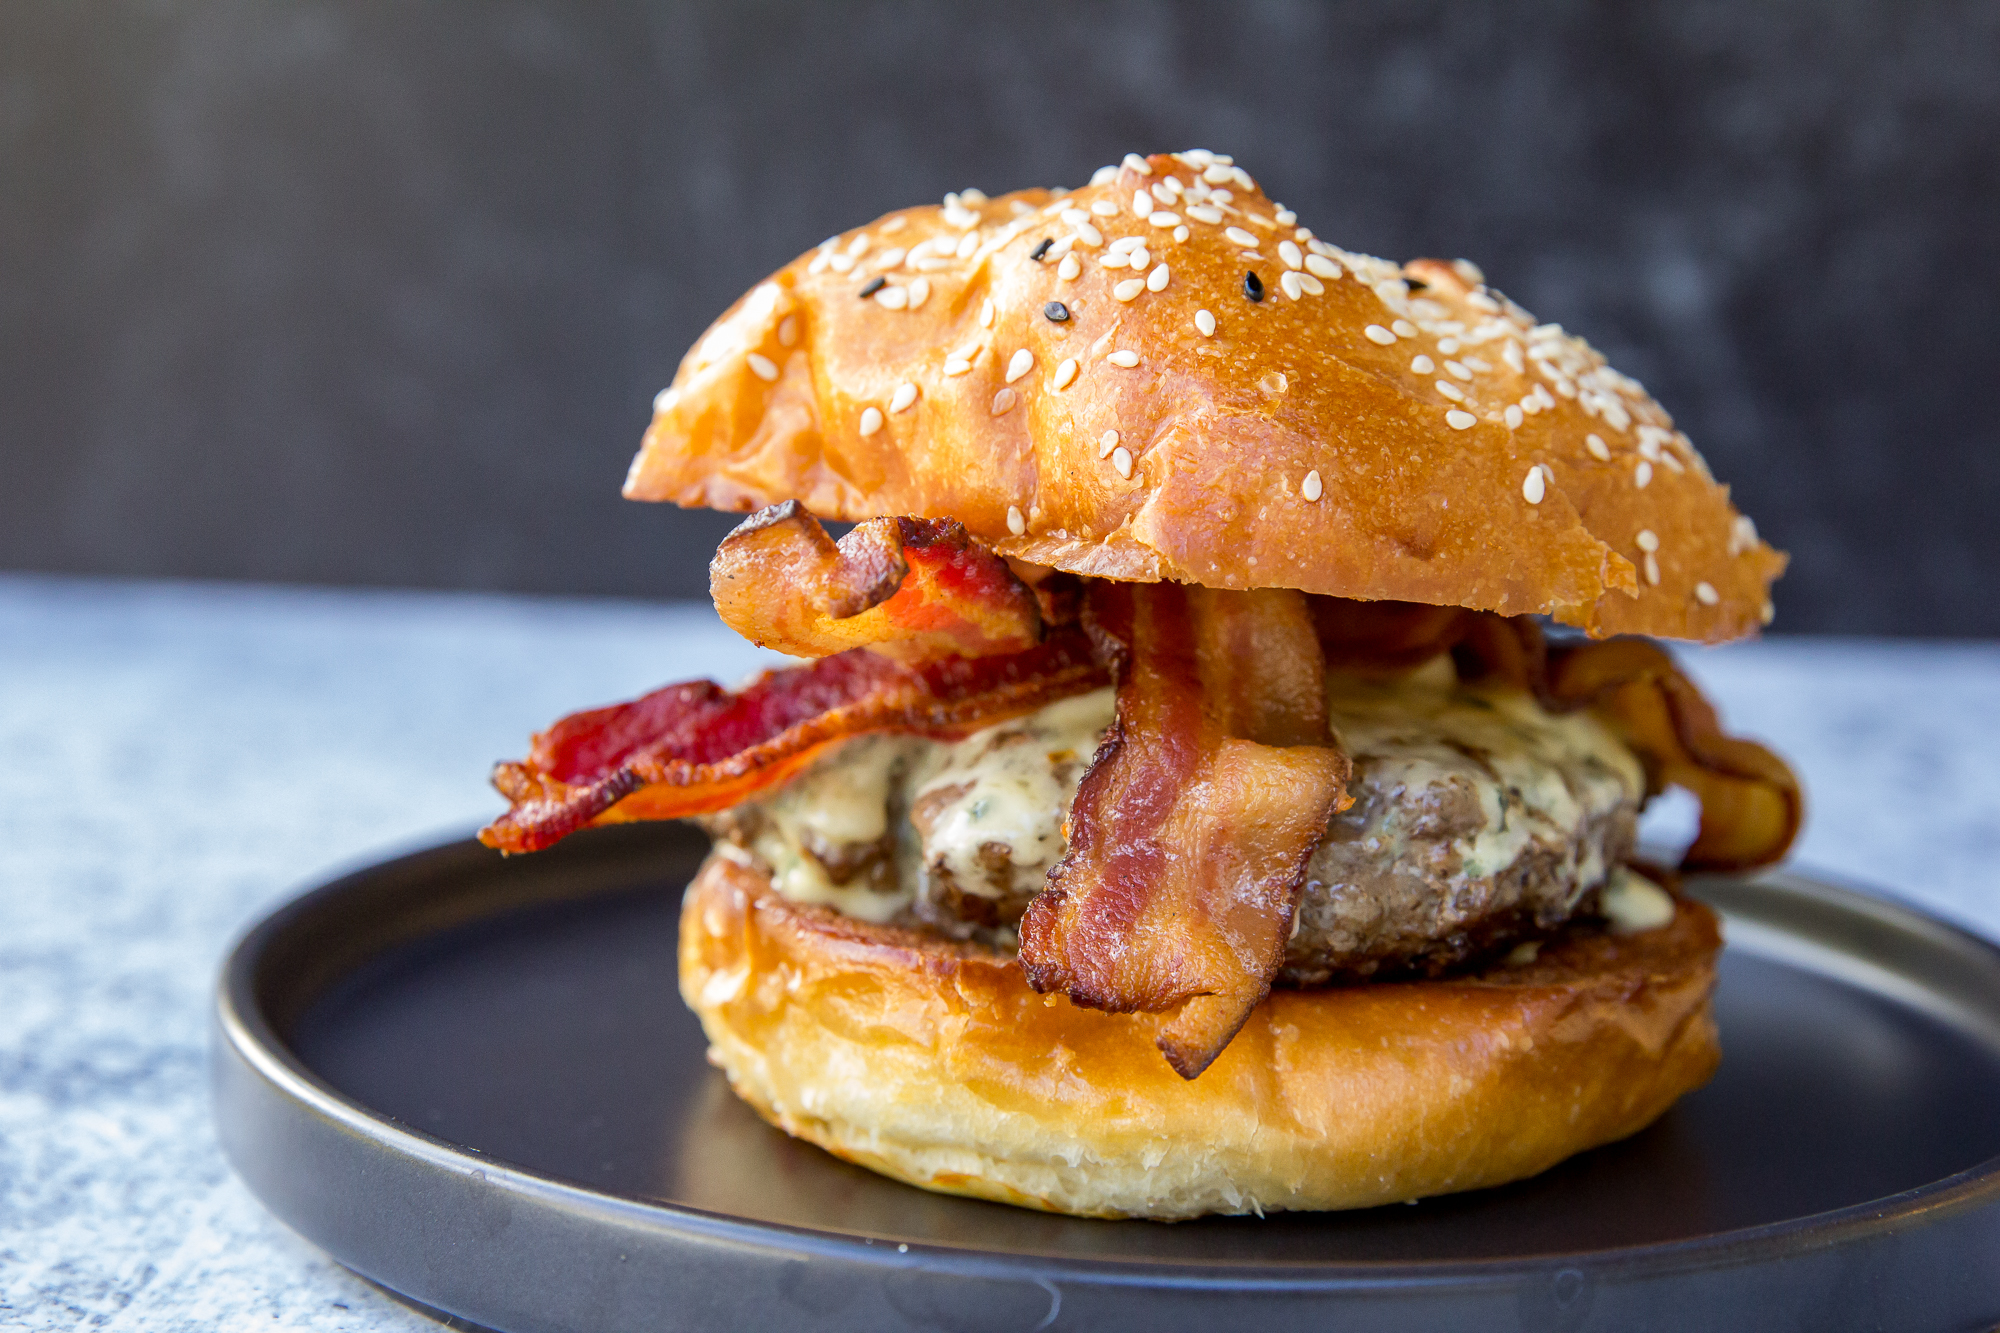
(343, 292)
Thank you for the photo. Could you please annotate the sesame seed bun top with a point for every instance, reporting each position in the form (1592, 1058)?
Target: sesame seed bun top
(1163, 376)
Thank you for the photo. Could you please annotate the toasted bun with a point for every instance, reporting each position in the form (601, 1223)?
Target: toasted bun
(1302, 444)
(933, 1063)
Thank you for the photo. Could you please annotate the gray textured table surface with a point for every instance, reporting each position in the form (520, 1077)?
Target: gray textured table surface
(174, 760)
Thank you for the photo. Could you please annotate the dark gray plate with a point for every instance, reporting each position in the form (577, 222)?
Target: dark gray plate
(472, 1081)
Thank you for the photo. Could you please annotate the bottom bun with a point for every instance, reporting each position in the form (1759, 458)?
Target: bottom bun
(933, 1063)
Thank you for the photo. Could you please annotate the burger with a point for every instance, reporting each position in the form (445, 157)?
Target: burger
(1212, 779)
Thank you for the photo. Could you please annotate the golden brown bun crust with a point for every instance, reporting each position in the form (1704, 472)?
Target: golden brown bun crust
(933, 1063)
(1221, 433)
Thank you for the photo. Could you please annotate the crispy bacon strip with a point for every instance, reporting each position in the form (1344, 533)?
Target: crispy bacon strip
(908, 588)
(694, 748)
(1751, 802)
(1190, 833)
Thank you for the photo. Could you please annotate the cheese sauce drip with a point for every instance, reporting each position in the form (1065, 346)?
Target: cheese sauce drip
(1457, 787)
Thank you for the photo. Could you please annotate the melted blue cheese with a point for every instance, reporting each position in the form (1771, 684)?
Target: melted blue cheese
(1538, 777)
(843, 800)
(1004, 793)
(1000, 797)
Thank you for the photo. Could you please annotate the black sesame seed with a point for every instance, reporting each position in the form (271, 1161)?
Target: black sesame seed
(873, 287)
(1253, 286)
(1056, 311)
(1042, 249)
(1416, 284)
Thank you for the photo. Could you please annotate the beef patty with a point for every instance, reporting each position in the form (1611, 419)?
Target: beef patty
(1479, 821)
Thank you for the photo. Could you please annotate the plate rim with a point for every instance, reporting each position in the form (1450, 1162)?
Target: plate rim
(243, 1030)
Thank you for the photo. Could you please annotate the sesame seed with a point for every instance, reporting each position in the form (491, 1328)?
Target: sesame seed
(875, 285)
(1142, 203)
(1020, 364)
(1253, 286)
(1289, 284)
(1531, 404)
(1533, 488)
(1458, 420)
(1205, 322)
(1065, 373)
(1075, 217)
(892, 298)
(1447, 345)
(1124, 358)
(1286, 217)
(1450, 390)
(1042, 249)
(1015, 523)
(1313, 286)
(1003, 402)
(1303, 235)
(1138, 256)
(1205, 213)
(1404, 329)
(1068, 269)
(1125, 245)
(1705, 593)
(1181, 233)
(1106, 443)
(986, 313)
(1375, 333)
(957, 365)
(1104, 208)
(1310, 487)
(1121, 458)
(1652, 565)
(1215, 174)
(871, 420)
(1321, 266)
(1089, 235)
(1129, 289)
(1138, 164)
(1481, 301)
(664, 400)
(1056, 310)
(966, 245)
(1156, 281)
(1642, 474)
(1168, 186)
(858, 246)
(1422, 364)
(1510, 352)
(1598, 450)
(1290, 253)
(1238, 236)
(1163, 219)
(920, 291)
(1250, 257)
(900, 400)
(840, 263)
(890, 258)
(788, 330)
(1116, 259)
(1647, 540)
(762, 366)
(1512, 416)
(1102, 174)
(1457, 370)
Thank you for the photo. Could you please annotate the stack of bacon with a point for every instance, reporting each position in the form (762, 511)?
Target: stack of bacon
(1190, 833)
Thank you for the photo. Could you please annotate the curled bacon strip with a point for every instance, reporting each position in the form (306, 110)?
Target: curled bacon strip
(1751, 802)
(909, 588)
(694, 748)
(1190, 833)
